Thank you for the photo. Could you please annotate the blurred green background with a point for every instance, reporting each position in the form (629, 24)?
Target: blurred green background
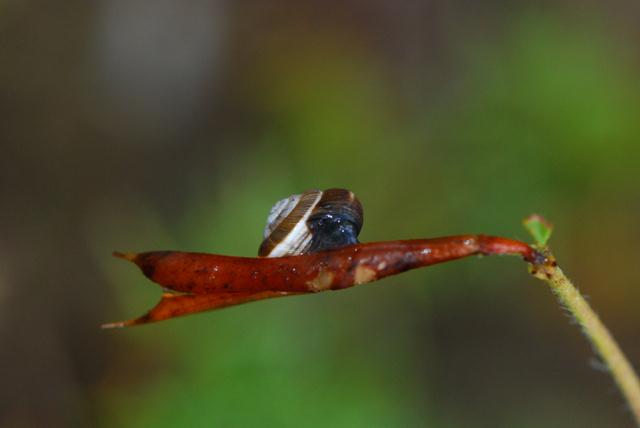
(138, 125)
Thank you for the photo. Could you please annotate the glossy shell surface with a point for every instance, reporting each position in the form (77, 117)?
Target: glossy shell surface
(312, 221)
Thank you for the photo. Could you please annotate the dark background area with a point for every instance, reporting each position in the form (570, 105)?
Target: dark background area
(137, 125)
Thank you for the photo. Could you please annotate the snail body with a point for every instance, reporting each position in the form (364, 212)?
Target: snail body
(313, 221)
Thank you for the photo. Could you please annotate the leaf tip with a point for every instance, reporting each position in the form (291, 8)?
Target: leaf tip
(539, 227)
(132, 257)
(128, 323)
(110, 325)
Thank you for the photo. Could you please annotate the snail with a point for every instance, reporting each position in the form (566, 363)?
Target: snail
(310, 245)
(316, 220)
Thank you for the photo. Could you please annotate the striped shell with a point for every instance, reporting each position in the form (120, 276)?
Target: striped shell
(312, 221)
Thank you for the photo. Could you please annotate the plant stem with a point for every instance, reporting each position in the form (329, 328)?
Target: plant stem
(603, 342)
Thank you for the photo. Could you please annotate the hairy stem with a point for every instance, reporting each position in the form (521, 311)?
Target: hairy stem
(602, 341)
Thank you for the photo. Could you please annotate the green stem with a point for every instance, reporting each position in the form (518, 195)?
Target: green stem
(603, 342)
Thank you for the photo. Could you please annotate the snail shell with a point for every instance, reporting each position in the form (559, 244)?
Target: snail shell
(315, 220)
